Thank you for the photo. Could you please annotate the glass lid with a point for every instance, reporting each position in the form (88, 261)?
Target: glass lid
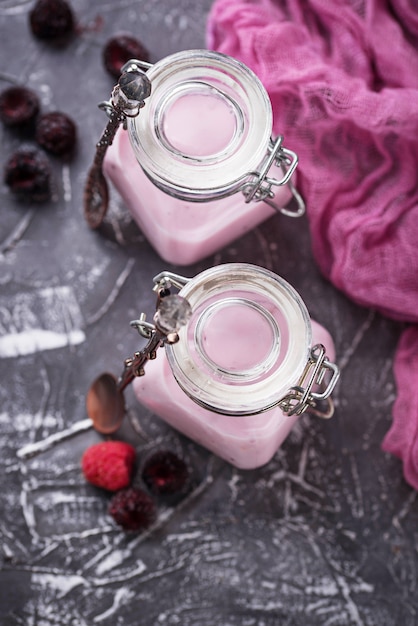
(247, 342)
(205, 127)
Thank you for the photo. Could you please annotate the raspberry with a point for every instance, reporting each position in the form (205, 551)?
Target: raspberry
(164, 473)
(120, 49)
(133, 509)
(56, 133)
(51, 20)
(27, 174)
(109, 464)
(18, 106)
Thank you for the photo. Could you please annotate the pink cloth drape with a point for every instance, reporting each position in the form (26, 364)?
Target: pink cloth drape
(343, 81)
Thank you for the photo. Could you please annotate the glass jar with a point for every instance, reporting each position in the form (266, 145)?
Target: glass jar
(198, 167)
(246, 365)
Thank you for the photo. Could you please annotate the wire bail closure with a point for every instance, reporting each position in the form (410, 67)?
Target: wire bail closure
(261, 188)
(163, 283)
(302, 397)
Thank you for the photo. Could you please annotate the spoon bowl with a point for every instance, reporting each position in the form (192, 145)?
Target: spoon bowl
(105, 404)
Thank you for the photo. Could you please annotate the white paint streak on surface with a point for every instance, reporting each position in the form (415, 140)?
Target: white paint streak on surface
(115, 559)
(120, 596)
(45, 319)
(36, 340)
(58, 582)
(66, 183)
(120, 281)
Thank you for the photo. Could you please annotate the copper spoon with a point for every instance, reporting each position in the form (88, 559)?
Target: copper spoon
(127, 98)
(105, 403)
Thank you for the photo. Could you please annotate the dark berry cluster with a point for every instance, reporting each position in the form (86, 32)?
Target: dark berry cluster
(164, 475)
(53, 21)
(27, 173)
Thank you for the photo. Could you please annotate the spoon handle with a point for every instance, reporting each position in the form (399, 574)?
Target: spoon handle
(127, 99)
(134, 366)
(96, 192)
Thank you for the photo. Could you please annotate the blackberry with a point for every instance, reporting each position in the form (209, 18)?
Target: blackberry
(19, 106)
(165, 474)
(132, 509)
(27, 174)
(51, 20)
(120, 49)
(56, 133)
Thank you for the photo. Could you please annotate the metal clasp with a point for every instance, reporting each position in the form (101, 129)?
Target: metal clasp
(302, 397)
(172, 312)
(261, 187)
(163, 282)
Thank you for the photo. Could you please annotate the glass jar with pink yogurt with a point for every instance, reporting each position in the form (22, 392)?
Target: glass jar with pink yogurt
(198, 166)
(248, 362)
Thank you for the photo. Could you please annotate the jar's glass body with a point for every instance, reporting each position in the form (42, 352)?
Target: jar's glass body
(246, 344)
(186, 159)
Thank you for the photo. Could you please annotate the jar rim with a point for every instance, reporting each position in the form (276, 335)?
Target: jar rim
(232, 92)
(219, 382)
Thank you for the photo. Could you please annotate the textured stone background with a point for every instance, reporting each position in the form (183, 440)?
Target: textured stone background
(326, 534)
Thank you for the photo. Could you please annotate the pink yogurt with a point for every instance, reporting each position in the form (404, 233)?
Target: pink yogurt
(245, 441)
(182, 232)
(199, 125)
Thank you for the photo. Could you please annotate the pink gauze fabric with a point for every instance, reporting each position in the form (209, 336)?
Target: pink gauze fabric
(342, 76)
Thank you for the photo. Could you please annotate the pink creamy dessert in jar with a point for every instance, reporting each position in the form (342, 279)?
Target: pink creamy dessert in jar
(245, 366)
(198, 168)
